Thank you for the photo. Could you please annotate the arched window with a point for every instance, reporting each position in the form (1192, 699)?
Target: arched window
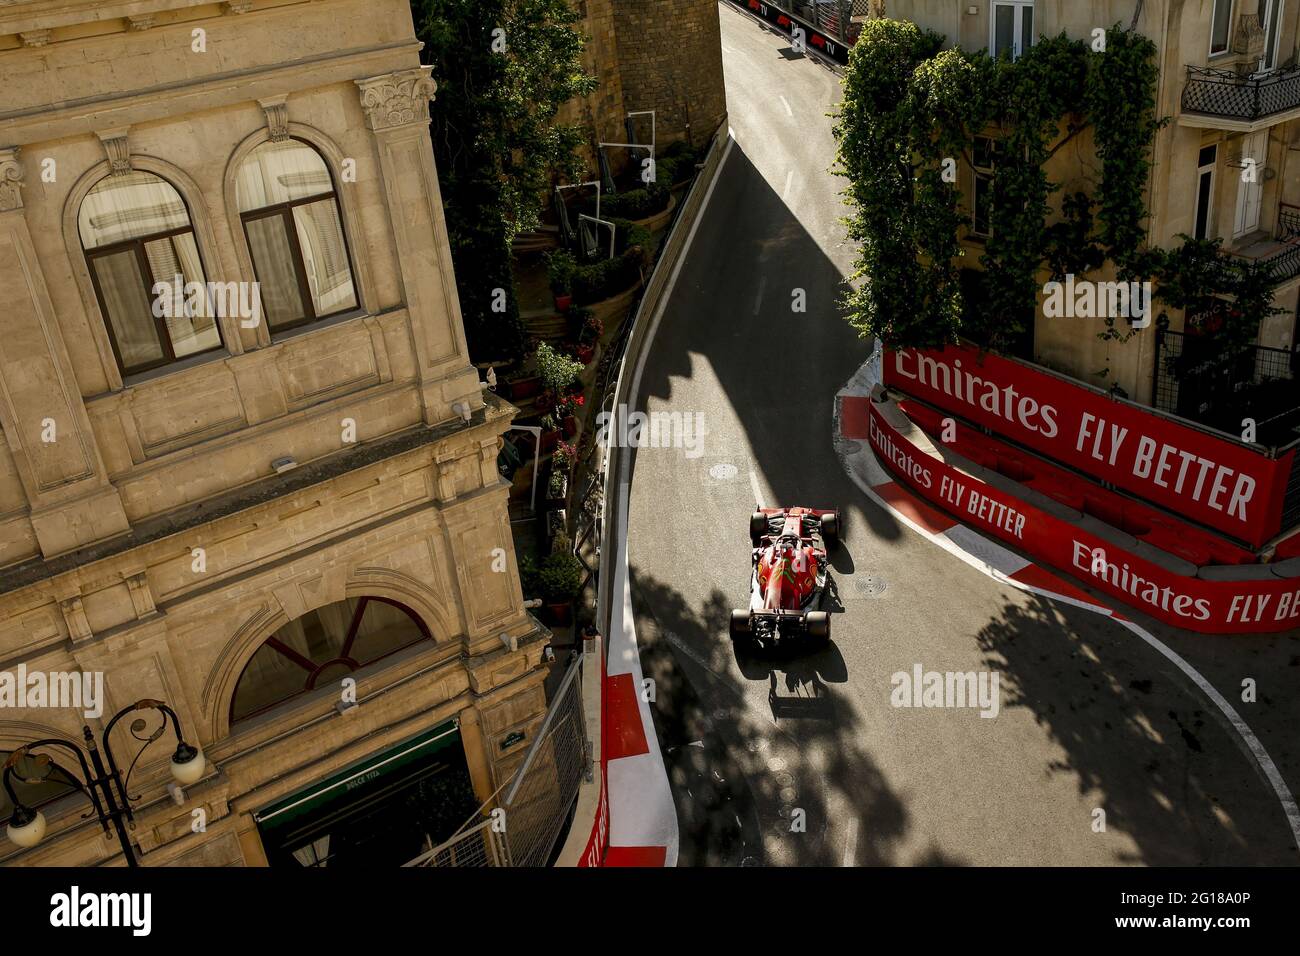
(136, 233)
(50, 783)
(291, 220)
(321, 648)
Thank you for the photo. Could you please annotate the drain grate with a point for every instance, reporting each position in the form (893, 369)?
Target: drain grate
(869, 586)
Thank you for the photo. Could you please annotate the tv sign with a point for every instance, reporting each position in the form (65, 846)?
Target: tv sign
(802, 35)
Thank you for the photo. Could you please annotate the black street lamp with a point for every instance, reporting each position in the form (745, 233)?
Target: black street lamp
(107, 788)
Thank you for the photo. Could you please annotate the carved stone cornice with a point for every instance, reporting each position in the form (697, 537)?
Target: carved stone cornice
(397, 99)
(118, 148)
(276, 109)
(237, 6)
(142, 22)
(11, 180)
(35, 37)
(74, 616)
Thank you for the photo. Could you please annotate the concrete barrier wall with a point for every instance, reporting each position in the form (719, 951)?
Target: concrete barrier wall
(589, 833)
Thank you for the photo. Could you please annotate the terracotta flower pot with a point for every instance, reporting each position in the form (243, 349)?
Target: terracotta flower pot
(524, 387)
(562, 302)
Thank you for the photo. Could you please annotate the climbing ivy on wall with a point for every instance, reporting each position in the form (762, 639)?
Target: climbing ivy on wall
(909, 118)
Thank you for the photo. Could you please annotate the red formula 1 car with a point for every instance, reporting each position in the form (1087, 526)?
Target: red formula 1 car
(789, 576)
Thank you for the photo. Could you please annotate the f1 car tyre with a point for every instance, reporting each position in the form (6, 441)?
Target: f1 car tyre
(757, 527)
(739, 625)
(830, 525)
(818, 625)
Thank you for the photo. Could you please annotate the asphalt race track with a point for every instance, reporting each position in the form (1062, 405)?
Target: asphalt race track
(801, 759)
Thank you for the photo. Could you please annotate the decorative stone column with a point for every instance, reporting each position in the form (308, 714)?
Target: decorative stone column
(397, 111)
(41, 410)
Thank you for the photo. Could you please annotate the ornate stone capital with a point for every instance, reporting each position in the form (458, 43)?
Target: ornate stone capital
(118, 148)
(397, 99)
(11, 180)
(276, 109)
(142, 22)
(237, 6)
(1249, 39)
(35, 37)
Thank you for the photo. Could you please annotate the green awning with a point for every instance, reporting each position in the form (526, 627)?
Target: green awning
(358, 774)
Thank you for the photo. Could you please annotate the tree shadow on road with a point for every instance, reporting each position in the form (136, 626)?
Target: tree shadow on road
(1157, 755)
(799, 790)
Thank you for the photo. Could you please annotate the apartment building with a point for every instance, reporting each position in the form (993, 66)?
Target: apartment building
(247, 468)
(1230, 86)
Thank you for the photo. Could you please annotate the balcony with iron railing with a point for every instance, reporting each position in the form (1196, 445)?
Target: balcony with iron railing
(1280, 253)
(1245, 98)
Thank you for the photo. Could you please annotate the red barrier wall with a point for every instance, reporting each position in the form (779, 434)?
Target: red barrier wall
(1223, 485)
(1215, 607)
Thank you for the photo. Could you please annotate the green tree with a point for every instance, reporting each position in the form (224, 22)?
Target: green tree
(909, 118)
(504, 69)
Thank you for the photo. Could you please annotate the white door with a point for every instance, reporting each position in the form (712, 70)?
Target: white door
(1012, 27)
(1250, 191)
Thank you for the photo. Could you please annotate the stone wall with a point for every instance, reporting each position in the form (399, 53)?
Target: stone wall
(670, 61)
(664, 56)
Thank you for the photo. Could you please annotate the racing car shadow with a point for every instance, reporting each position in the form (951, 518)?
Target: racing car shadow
(841, 560)
(830, 599)
(797, 677)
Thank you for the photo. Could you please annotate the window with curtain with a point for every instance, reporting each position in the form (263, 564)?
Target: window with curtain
(135, 231)
(321, 648)
(295, 234)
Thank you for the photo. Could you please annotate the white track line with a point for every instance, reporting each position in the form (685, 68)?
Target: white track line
(788, 111)
(789, 181)
(1262, 759)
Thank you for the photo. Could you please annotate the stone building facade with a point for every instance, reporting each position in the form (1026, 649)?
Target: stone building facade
(256, 518)
(664, 56)
(1229, 84)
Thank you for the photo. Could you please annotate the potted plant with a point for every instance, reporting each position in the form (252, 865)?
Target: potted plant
(556, 522)
(589, 329)
(564, 456)
(557, 370)
(521, 384)
(570, 417)
(557, 488)
(561, 580)
(530, 577)
(550, 433)
(560, 267)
